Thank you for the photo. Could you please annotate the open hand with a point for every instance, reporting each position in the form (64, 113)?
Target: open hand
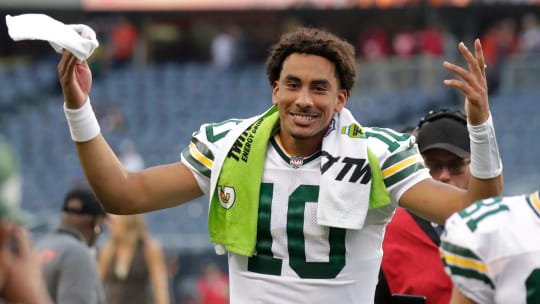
(473, 83)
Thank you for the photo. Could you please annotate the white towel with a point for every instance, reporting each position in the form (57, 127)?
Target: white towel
(344, 199)
(79, 39)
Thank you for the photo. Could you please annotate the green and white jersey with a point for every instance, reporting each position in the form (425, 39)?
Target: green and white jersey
(492, 250)
(297, 260)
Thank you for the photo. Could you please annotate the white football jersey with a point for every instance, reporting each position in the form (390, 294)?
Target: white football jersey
(492, 250)
(297, 260)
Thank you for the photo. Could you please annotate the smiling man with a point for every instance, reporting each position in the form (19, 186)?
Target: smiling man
(306, 205)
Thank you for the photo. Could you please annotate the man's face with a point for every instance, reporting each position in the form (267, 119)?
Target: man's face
(447, 167)
(307, 95)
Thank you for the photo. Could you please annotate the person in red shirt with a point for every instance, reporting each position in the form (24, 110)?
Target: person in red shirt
(124, 37)
(213, 286)
(411, 263)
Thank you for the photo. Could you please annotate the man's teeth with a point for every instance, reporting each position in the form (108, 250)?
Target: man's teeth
(303, 117)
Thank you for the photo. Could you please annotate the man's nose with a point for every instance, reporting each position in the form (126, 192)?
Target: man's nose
(443, 174)
(304, 98)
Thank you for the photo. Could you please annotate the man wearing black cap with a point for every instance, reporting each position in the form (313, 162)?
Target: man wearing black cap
(411, 262)
(67, 262)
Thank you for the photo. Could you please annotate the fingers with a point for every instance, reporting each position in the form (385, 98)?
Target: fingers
(479, 54)
(474, 78)
(75, 78)
(476, 63)
(472, 83)
(66, 67)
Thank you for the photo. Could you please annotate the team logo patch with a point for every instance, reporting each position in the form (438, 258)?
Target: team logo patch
(227, 196)
(296, 162)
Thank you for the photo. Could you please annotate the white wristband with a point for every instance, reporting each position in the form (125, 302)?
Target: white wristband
(82, 122)
(485, 160)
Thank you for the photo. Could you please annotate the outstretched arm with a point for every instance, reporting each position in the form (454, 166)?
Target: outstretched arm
(118, 190)
(436, 201)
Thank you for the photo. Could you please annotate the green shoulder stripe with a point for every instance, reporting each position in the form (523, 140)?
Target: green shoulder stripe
(402, 174)
(459, 250)
(195, 163)
(397, 167)
(470, 274)
(202, 148)
(398, 157)
(464, 262)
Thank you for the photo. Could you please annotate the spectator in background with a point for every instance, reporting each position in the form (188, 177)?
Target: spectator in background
(123, 41)
(132, 263)
(173, 273)
(373, 51)
(501, 41)
(113, 119)
(20, 276)
(226, 48)
(430, 40)
(373, 43)
(213, 285)
(411, 262)
(67, 263)
(530, 34)
(404, 43)
(130, 157)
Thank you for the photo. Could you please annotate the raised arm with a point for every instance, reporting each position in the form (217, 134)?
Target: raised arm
(436, 201)
(118, 190)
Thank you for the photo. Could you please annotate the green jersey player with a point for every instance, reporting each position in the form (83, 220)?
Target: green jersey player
(305, 219)
(492, 253)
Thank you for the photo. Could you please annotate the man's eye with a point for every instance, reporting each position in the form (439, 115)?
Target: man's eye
(292, 85)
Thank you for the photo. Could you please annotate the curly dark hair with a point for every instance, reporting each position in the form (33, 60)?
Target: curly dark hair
(314, 42)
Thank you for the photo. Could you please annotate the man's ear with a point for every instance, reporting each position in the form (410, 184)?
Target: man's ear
(97, 223)
(275, 90)
(342, 98)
